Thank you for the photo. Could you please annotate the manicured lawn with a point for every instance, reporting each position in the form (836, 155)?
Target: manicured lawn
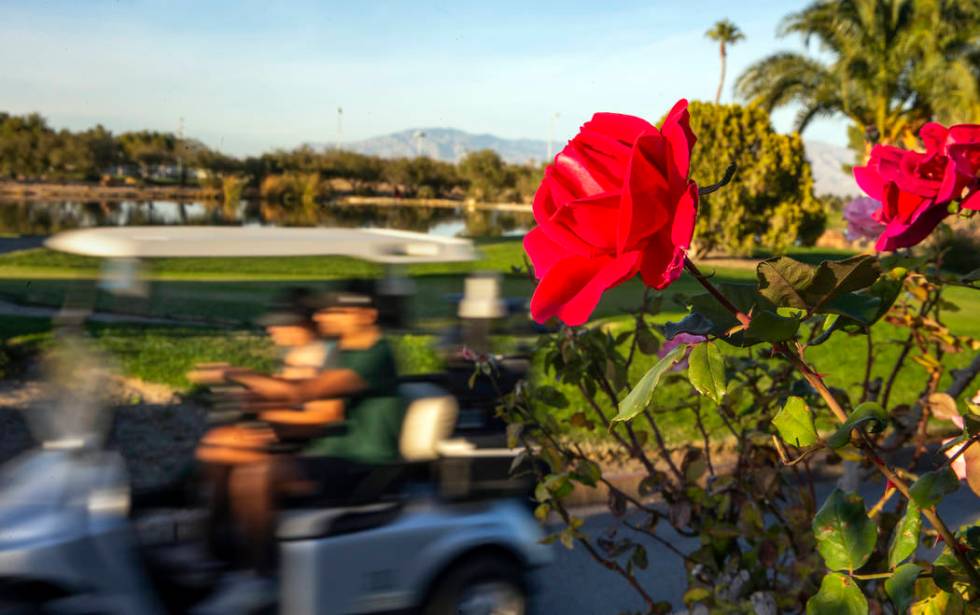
(230, 293)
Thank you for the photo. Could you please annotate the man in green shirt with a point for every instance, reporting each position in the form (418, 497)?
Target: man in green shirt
(367, 382)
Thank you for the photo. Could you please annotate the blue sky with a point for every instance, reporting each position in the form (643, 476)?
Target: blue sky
(247, 76)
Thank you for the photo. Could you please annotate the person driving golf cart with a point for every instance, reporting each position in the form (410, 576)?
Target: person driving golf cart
(328, 467)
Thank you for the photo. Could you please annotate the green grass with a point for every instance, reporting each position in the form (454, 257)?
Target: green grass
(163, 354)
(232, 292)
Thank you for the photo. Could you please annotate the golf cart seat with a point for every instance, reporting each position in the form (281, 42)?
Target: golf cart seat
(430, 417)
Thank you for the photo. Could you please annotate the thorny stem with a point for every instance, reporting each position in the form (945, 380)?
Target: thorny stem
(816, 381)
(865, 389)
(722, 299)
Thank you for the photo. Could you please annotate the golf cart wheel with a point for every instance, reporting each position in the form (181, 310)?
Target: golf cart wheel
(485, 585)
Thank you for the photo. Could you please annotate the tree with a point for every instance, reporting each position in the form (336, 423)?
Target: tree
(892, 65)
(726, 33)
(486, 174)
(771, 201)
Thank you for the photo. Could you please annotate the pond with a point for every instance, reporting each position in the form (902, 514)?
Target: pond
(41, 218)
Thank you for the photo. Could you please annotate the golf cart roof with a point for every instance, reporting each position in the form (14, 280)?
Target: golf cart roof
(377, 245)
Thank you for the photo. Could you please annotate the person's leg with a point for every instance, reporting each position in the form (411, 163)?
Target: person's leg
(253, 506)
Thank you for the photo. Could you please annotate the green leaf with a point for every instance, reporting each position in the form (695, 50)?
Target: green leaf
(694, 323)
(794, 422)
(550, 396)
(845, 535)
(639, 398)
(900, 587)
(838, 595)
(867, 412)
(768, 326)
(930, 488)
(646, 341)
(826, 288)
(707, 371)
(588, 472)
(940, 603)
(858, 307)
(905, 538)
(708, 317)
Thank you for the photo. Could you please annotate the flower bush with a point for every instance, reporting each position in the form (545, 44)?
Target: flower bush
(618, 201)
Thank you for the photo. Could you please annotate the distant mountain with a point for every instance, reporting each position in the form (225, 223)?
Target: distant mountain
(450, 145)
(827, 162)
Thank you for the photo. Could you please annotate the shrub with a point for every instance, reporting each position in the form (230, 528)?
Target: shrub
(770, 202)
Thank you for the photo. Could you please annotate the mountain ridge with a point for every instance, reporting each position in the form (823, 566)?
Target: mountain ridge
(451, 144)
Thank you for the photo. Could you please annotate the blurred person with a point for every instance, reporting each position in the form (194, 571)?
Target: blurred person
(329, 467)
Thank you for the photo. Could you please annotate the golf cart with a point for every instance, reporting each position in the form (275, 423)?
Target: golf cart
(450, 534)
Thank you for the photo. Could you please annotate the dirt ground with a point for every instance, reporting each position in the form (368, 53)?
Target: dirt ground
(155, 430)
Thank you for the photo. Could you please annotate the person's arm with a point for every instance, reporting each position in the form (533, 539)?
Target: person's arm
(329, 384)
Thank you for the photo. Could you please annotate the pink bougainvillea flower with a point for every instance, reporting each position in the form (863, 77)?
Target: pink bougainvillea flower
(861, 223)
(617, 200)
(674, 342)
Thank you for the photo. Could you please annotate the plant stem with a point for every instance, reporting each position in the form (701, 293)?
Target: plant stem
(865, 390)
(722, 299)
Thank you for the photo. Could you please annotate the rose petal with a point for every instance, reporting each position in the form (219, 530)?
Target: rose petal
(624, 128)
(572, 288)
(544, 205)
(646, 195)
(609, 155)
(680, 137)
(964, 148)
(593, 220)
(869, 181)
(972, 201)
(900, 234)
(933, 136)
(573, 171)
(543, 251)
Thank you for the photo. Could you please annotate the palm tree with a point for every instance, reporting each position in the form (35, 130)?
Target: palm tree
(891, 65)
(726, 33)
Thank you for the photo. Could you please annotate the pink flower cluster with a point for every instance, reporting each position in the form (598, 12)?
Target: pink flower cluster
(915, 189)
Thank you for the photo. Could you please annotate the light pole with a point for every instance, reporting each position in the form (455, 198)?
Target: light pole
(551, 132)
(340, 126)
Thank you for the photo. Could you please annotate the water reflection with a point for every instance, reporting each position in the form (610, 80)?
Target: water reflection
(46, 218)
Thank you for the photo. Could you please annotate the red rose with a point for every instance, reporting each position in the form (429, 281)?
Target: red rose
(616, 201)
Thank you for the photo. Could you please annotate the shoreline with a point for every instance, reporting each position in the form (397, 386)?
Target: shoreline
(41, 191)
